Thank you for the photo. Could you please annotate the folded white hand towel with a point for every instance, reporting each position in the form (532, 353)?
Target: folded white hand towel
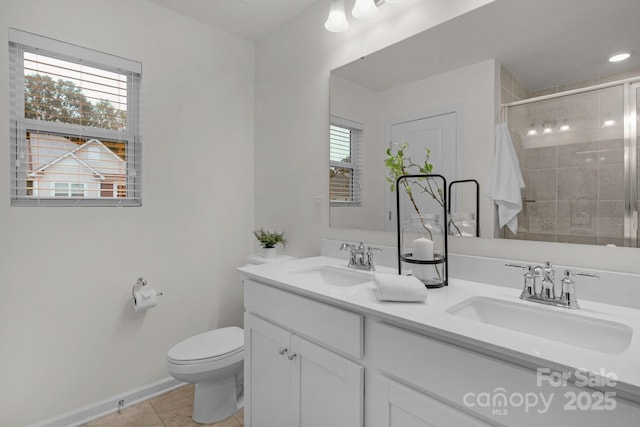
(506, 180)
(393, 287)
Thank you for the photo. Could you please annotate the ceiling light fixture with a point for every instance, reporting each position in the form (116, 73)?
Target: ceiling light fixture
(337, 19)
(364, 9)
(619, 57)
(532, 130)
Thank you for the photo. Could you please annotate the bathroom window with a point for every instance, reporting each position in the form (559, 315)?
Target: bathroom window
(75, 125)
(345, 164)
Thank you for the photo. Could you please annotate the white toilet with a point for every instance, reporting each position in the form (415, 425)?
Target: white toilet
(213, 361)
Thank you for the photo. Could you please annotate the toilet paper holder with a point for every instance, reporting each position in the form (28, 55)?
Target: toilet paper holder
(140, 283)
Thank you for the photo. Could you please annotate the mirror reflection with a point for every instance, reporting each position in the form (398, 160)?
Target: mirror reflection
(504, 52)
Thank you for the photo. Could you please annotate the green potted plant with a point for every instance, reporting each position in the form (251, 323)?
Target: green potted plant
(269, 240)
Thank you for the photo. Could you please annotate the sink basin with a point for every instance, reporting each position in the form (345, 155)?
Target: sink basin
(563, 326)
(334, 276)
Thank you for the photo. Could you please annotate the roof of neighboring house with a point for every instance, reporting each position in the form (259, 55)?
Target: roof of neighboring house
(43, 150)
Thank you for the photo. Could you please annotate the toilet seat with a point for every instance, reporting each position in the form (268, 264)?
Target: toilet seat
(208, 347)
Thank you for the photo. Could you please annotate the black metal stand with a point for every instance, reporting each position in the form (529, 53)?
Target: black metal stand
(408, 257)
(477, 201)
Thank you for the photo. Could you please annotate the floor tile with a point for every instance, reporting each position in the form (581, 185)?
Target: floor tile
(172, 409)
(175, 409)
(140, 415)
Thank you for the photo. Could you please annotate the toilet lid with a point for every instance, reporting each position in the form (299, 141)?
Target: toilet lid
(212, 344)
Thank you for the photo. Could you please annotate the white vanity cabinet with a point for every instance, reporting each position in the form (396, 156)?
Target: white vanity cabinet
(307, 358)
(455, 384)
(293, 378)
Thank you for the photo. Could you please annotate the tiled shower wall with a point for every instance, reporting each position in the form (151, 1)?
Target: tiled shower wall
(574, 179)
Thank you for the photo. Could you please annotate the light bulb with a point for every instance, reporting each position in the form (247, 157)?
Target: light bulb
(337, 19)
(619, 57)
(364, 9)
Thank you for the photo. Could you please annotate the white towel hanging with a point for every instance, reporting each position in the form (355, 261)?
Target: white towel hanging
(506, 180)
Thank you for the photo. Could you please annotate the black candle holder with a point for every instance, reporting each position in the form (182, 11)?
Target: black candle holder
(439, 258)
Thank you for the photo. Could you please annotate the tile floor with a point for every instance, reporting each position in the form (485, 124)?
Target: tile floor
(172, 409)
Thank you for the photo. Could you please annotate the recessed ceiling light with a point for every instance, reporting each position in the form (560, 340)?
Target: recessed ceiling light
(619, 57)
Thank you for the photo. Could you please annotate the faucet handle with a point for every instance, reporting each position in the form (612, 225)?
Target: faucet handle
(568, 296)
(529, 268)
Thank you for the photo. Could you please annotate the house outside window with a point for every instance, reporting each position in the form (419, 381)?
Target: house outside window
(75, 125)
(345, 162)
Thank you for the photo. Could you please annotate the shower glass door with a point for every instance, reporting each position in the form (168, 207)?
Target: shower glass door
(633, 119)
(577, 156)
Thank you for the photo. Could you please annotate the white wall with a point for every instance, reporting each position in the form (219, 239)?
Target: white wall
(292, 79)
(68, 334)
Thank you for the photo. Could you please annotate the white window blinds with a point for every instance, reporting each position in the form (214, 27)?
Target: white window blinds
(345, 163)
(75, 131)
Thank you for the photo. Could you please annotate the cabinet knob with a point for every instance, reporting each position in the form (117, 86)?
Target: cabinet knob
(282, 351)
(292, 356)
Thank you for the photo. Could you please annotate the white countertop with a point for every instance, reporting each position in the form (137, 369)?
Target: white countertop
(431, 318)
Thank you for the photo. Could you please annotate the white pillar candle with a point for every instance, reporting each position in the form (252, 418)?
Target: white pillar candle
(423, 249)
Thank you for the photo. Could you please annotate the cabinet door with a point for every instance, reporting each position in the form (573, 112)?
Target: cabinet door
(398, 406)
(268, 388)
(331, 387)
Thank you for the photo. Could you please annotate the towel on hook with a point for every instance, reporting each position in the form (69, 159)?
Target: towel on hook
(393, 287)
(506, 181)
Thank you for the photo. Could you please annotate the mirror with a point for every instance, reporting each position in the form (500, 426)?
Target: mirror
(455, 68)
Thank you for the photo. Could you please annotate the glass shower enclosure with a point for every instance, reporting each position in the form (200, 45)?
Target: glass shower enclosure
(578, 155)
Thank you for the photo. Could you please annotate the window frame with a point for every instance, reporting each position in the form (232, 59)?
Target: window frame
(21, 42)
(355, 164)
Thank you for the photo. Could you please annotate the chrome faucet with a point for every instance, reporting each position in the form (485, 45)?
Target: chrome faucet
(360, 256)
(548, 292)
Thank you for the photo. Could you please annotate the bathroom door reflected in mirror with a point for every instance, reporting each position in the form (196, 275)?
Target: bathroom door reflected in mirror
(578, 179)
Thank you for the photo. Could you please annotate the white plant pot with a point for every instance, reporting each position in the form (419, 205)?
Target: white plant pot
(269, 252)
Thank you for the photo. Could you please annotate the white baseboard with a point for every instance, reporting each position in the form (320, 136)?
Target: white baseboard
(110, 405)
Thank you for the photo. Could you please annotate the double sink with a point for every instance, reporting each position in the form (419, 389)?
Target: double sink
(557, 324)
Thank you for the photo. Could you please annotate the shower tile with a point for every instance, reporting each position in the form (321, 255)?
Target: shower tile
(542, 217)
(609, 240)
(506, 96)
(540, 158)
(611, 152)
(578, 183)
(578, 218)
(575, 155)
(581, 240)
(611, 183)
(578, 85)
(611, 219)
(544, 92)
(542, 237)
(543, 184)
(506, 79)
